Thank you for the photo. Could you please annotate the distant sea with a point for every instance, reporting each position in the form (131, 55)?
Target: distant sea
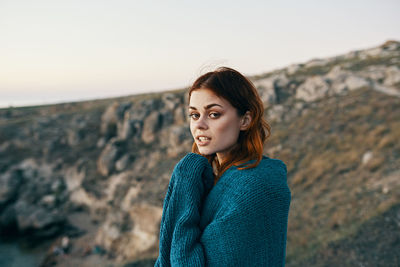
(14, 254)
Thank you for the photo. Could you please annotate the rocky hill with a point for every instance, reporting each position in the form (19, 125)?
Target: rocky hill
(88, 178)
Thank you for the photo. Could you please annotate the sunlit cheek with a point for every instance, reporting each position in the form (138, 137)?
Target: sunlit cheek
(191, 129)
(230, 133)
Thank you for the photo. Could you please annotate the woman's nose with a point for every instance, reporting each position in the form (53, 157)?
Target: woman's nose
(201, 123)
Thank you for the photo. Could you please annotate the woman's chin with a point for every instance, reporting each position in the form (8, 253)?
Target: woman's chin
(205, 152)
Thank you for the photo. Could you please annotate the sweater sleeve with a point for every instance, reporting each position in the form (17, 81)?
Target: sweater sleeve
(191, 180)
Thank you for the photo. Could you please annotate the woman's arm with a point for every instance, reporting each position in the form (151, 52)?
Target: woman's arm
(252, 229)
(191, 180)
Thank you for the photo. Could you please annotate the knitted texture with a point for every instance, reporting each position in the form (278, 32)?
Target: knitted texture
(241, 221)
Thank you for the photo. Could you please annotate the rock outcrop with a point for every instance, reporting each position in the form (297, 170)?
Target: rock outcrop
(113, 159)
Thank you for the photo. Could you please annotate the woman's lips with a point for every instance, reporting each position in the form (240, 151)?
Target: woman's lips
(203, 140)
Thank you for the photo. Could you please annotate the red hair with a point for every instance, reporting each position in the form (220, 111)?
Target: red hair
(242, 95)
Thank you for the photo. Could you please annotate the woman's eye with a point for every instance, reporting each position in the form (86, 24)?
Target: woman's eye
(214, 115)
(194, 116)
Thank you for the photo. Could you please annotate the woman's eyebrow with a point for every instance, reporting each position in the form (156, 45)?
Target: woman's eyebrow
(206, 107)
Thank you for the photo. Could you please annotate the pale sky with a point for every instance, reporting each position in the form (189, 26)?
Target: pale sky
(55, 51)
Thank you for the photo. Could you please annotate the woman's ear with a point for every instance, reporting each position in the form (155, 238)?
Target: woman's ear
(245, 121)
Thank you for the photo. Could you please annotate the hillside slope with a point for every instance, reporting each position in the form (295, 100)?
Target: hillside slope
(97, 171)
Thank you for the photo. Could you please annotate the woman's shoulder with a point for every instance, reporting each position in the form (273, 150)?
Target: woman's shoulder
(266, 165)
(268, 171)
(275, 163)
(268, 178)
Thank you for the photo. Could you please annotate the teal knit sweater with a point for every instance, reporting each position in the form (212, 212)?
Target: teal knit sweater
(240, 221)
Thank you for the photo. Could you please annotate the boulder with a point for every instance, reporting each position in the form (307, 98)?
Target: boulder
(276, 113)
(77, 130)
(123, 163)
(265, 88)
(130, 127)
(42, 222)
(392, 74)
(117, 187)
(367, 156)
(354, 82)
(74, 136)
(375, 73)
(312, 89)
(113, 114)
(9, 186)
(150, 126)
(373, 52)
(132, 124)
(110, 154)
(176, 139)
(73, 178)
(167, 118)
(342, 81)
(133, 234)
(317, 62)
(293, 68)
(170, 100)
(180, 116)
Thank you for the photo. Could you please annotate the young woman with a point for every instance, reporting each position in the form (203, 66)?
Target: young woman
(227, 204)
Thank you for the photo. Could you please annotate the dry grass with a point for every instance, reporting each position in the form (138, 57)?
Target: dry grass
(323, 150)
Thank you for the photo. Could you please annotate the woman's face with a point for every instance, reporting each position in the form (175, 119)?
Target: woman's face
(214, 123)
